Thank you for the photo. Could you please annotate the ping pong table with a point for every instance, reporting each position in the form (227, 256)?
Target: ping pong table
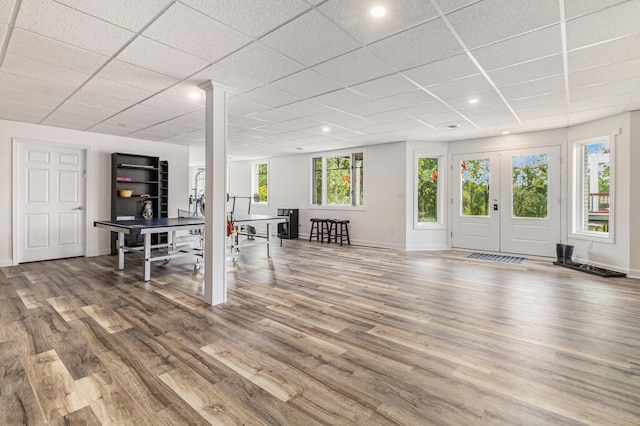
(147, 227)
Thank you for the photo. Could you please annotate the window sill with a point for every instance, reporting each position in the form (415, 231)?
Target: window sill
(592, 236)
(341, 207)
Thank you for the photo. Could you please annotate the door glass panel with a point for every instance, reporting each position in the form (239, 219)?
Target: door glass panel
(530, 185)
(475, 176)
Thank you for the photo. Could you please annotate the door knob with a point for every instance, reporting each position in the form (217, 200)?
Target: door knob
(77, 208)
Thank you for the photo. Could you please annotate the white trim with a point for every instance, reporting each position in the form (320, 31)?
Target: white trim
(332, 154)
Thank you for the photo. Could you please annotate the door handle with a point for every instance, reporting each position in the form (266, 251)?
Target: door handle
(78, 208)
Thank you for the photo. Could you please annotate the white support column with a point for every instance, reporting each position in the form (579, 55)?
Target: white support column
(215, 216)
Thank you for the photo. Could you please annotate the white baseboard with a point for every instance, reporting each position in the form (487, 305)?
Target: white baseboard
(604, 266)
(6, 262)
(428, 247)
(633, 273)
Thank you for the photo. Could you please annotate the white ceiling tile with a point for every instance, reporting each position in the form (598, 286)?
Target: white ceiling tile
(526, 47)
(186, 91)
(305, 108)
(468, 86)
(132, 15)
(392, 126)
(111, 128)
(276, 128)
(300, 123)
(621, 20)
(143, 114)
(489, 97)
(549, 100)
(28, 85)
(354, 67)
(355, 18)
(497, 109)
(100, 100)
(260, 63)
(368, 108)
(78, 110)
(601, 103)
(326, 41)
(160, 58)
(492, 20)
(116, 90)
(584, 116)
(387, 117)
(385, 86)
(27, 67)
(169, 129)
(621, 49)
(575, 8)
(407, 99)
(409, 49)
(448, 6)
(276, 115)
(8, 107)
(249, 122)
(355, 123)
(53, 52)
(540, 68)
(534, 88)
(608, 73)
(4, 28)
(605, 90)
(34, 98)
(58, 120)
(491, 120)
(268, 95)
(340, 98)
(6, 7)
(331, 116)
(180, 25)
(243, 107)
(449, 69)
(424, 110)
(306, 83)
(251, 17)
(134, 76)
(59, 22)
(170, 104)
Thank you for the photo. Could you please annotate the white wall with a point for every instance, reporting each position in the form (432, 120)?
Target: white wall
(99, 152)
(381, 223)
(609, 255)
(634, 189)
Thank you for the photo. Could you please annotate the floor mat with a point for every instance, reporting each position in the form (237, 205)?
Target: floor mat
(497, 258)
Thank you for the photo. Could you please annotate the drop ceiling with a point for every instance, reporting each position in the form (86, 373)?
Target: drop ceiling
(318, 75)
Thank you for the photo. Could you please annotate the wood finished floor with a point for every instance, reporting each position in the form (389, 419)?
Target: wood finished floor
(319, 335)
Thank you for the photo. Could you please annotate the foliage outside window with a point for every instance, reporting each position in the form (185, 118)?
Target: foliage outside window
(475, 187)
(260, 181)
(338, 180)
(530, 185)
(427, 200)
(594, 197)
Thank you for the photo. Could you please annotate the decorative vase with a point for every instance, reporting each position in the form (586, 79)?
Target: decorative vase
(147, 210)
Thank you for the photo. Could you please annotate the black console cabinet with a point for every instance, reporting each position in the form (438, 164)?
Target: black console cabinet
(288, 230)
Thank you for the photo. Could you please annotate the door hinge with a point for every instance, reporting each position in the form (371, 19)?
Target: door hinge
(452, 235)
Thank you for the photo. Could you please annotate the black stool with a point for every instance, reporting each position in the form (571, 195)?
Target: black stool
(339, 227)
(321, 227)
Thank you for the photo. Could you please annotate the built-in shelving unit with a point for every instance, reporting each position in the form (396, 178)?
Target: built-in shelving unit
(148, 178)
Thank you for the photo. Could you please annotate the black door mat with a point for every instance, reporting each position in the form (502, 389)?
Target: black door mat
(496, 258)
(594, 270)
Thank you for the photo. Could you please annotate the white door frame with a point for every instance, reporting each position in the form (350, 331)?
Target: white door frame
(16, 142)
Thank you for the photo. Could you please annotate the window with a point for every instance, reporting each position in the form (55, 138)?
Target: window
(475, 176)
(427, 199)
(338, 180)
(593, 190)
(530, 186)
(260, 182)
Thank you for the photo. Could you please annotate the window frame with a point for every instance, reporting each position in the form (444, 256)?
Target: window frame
(578, 195)
(255, 181)
(440, 213)
(322, 204)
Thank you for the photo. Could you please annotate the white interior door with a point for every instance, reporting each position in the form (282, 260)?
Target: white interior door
(50, 202)
(530, 213)
(508, 201)
(475, 224)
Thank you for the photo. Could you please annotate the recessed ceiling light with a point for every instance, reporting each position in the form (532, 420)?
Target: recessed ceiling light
(326, 129)
(453, 126)
(473, 101)
(378, 12)
(505, 132)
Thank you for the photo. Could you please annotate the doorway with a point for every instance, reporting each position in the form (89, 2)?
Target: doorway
(49, 200)
(507, 201)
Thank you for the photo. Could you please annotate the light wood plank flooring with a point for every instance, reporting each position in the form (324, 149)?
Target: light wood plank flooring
(319, 335)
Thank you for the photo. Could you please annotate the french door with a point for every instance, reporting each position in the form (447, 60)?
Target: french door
(507, 201)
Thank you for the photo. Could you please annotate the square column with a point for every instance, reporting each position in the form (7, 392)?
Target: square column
(215, 215)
